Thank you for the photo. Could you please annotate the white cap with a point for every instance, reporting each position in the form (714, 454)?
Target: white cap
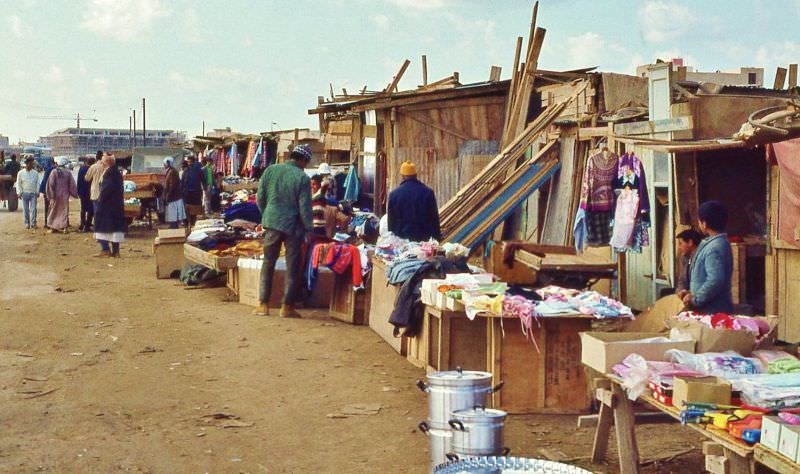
(324, 168)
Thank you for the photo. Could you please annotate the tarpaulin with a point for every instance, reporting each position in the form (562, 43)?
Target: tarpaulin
(787, 155)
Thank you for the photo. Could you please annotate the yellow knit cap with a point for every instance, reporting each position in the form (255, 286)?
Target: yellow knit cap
(408, 169)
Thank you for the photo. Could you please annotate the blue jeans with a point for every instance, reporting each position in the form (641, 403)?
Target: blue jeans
(29, 208)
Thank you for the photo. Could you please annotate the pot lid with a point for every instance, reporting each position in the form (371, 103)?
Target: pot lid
(478, 413)
(506, 465)
(459, 375)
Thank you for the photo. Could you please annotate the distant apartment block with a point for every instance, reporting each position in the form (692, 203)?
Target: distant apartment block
(3, 142)
(86, 141)
(747, 76)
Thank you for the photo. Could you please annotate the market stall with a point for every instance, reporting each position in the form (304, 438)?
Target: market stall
(216, 244)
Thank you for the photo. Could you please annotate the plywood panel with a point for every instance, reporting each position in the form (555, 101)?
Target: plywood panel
(558, 220)
(789, 281)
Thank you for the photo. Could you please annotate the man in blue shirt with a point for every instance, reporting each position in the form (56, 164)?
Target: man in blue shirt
(413, 213)
(712, 265)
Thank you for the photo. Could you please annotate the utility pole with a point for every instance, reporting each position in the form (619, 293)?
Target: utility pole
(144, 124)
(134, 128)
(204, 128)
(78, 118)
(130, 131)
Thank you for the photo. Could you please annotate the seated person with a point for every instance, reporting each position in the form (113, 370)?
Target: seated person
(712, 266)
(687, 241)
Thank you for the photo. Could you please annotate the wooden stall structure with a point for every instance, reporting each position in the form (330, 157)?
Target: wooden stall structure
(382, 297)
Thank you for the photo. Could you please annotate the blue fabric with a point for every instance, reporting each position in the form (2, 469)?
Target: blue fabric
(580, 231)
(246, 210)
(413, 213)
(352, 185)
(257, 158)
(43, 186)
(402, 270)
(84, 188)
(710, 281)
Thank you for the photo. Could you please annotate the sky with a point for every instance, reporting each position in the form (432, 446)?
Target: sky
(260, 64)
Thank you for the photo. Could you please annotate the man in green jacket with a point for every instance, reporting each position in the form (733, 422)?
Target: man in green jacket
(284, 198)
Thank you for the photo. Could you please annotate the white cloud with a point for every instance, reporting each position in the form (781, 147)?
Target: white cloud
(591, 49)
(54, 74)
(663, 21)
(18, 27)
(426, 5)
(122, 19)
(213, 78)
(777, 54)
(192, 29)
(99, 87)
(381, 21)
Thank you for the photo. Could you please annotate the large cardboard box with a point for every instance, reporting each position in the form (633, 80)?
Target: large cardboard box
(603, 350)
(169, 257)
(249, 274)
(700, 390)
(721, 340)
(771, 432)
(789, 441)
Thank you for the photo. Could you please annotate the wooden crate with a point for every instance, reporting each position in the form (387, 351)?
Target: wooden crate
(146, 180)
(549, 381)
(169, 257)
(232, 280)
(382, 296)
(141, 194)
(348, 305)
(417, 352)
(452, 340)
(214, 262)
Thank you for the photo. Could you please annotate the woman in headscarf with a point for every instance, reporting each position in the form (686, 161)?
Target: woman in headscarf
(174, 211)
(109, 218)
(60, 187)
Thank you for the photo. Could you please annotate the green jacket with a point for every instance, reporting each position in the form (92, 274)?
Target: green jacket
(284, 198)
(208, 174)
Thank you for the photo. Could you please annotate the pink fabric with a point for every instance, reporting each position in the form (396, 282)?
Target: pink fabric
(625, 218)
(787, 154)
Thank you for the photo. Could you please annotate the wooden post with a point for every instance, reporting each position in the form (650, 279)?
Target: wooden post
(682, 73)
(424, 70)
(455, 77)
(780, 78)
(333, 96)
(792, 76)
(393, 85)
(625, 429)
(296, 137)
(494, 73)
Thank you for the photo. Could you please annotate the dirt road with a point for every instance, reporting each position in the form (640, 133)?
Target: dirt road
(104, 368)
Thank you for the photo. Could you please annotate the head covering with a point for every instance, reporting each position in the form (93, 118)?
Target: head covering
(408, 169)
(324, 168)
(302, 151)
(714, 214)
(62, 161)
(168, 161)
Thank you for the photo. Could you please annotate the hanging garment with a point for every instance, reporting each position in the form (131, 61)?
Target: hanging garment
(624, 219)
(579, 230)
(598, 228)
(235, 165)
(630, 172)
(343, 257)
(597, 190)
(257, 156)
(352, 185)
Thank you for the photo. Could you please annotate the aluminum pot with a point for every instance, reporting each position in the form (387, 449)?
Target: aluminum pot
(439, 443)
(454, 390)
(478, 431)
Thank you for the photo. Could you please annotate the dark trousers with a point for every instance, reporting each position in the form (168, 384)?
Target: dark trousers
(273, 239)
(46, 210)
(87, 212)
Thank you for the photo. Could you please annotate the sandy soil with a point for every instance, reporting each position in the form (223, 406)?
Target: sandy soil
(104, 368)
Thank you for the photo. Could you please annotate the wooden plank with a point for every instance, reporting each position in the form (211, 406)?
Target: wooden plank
(393, 85)
(382, 298)
(424, 70)
(515, 75)
(494, 73)
(780, 78)
(774, 460)
(558, 221)
(439, 127)
(792, 76)
(587, 133)
(739, 276)
(654, 126)
(685, 184)
(625, 431)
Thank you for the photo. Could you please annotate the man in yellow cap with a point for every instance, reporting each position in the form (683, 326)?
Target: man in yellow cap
(413, 213)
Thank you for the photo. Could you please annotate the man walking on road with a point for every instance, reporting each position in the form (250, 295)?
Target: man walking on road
(85, 195)
(93, 176)
(284, 198)
(28, 191)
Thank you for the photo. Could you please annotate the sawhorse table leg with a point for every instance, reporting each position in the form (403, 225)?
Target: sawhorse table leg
(613, 402)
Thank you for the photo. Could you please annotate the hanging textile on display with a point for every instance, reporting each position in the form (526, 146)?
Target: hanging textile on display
(595, 212)
(631, 179)
(247, 166)
(234, 154)
(352, 185)
(257, 156)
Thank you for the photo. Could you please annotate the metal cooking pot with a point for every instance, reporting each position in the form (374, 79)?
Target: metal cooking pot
(478, 432)
(438, 443)
(455, 390)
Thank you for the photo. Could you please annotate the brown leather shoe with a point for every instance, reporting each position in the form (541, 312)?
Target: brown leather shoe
(115, 255)
(103, 254)
(261, 310)
(288, 311)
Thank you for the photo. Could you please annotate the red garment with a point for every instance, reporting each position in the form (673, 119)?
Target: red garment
(342, 257)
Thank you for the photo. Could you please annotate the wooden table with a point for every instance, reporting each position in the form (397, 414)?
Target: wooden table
(617, 409)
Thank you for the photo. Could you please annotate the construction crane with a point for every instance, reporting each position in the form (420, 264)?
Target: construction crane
(77, 117)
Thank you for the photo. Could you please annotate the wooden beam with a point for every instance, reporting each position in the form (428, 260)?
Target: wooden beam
(654, 126)
(344, 91)
(455, 77)
(393, 85)
(424, 70)
(780, 78)
(364, 90)
(494, 73)
(333, 96)
(515, 75)
(792, 76)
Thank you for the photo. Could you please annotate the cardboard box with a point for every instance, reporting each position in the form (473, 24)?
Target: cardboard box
(169, 257)
(603, 350)
(771, 432)
(249, 274)
(700, 390)
(789, 441)
(720, 340)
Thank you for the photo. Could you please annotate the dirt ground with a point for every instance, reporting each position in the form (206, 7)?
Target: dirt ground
(104, 368)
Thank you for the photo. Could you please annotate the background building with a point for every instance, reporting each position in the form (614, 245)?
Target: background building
(746, 76)
(86, 141)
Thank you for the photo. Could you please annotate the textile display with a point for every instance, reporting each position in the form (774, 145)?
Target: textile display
(785, 154)
(624, 219)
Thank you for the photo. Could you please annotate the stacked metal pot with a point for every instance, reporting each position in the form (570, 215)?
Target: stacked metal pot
(458, 425)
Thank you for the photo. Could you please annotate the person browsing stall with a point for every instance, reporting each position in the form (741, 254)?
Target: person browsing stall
(284, 199)
(712, 265)
(413, 212)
